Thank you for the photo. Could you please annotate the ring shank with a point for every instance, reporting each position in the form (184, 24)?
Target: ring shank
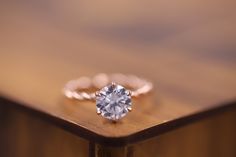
(76, 89)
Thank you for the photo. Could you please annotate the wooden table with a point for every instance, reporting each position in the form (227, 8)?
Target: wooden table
(186, 48)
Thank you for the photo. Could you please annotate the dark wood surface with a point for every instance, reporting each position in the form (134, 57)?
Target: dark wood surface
(25, 135)
(186, 48)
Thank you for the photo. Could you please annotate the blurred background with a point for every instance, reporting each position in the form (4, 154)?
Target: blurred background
(178, 39)
(200, 28)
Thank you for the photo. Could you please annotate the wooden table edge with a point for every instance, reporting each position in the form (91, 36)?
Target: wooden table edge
(123, 140)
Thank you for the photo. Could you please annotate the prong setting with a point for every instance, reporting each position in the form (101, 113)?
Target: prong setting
(113, 84)
(97, 93)
(114, 102)
(129, 109)
(98, 112)
(129, 93)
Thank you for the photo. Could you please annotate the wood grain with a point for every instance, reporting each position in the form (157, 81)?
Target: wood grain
(24, 134)
(187, 49)
(214, 136)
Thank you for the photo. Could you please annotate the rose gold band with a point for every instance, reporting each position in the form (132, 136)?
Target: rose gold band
(76, 89)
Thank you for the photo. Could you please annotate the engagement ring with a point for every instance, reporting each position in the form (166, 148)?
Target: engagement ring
(112, 93)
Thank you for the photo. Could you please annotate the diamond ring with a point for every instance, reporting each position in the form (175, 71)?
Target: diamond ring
(113, 99)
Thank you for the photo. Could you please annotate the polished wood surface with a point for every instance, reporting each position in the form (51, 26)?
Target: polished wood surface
(213, 136)
(24, 134)
(186, 48)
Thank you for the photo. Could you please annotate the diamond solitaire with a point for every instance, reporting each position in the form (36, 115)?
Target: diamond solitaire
(113, 101)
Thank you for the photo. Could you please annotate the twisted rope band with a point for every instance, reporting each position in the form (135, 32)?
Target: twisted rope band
(76, 89)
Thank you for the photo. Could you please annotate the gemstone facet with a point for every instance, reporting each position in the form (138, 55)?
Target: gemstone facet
(113, 102)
